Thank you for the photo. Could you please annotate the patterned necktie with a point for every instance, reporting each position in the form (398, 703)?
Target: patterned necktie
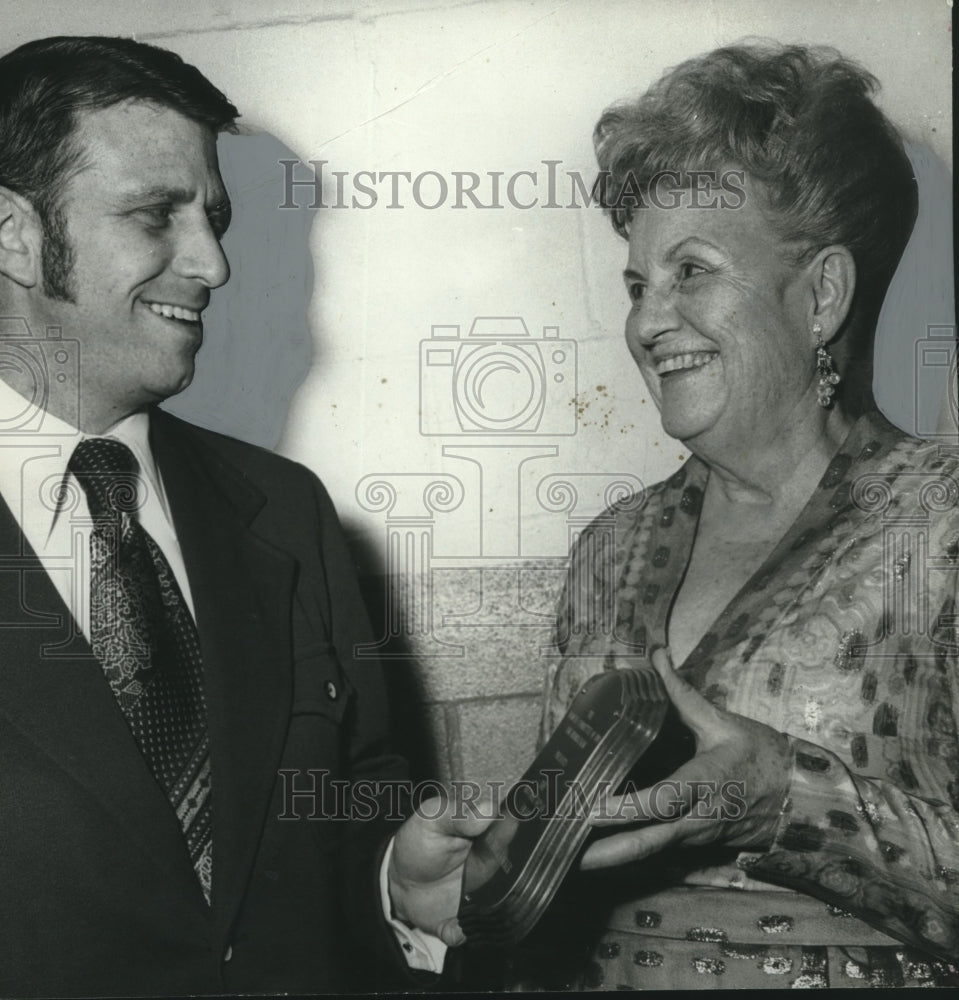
(144, 636)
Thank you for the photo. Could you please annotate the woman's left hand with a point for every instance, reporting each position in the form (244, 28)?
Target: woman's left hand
(731, 792)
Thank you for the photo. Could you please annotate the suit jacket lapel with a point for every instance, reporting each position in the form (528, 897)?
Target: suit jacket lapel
(54, 693)
(242, 592)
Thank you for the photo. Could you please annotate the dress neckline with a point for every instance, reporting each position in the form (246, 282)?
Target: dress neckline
(673, 535)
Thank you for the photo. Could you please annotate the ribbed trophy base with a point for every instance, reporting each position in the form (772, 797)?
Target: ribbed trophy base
(515, 868)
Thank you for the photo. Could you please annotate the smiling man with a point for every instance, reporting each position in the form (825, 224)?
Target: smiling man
(144, 208)
(178, 611)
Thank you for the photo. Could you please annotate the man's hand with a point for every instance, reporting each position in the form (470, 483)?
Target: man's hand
(426, 869)
(731, 792)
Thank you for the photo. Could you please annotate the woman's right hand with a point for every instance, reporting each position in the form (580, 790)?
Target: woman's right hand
(731, 792)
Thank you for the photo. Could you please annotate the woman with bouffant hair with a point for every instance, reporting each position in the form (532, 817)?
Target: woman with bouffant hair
(794, 583)
(800, 121)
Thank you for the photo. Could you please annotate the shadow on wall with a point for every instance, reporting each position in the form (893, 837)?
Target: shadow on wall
(916, 333)
(412, 734)
(258, 348)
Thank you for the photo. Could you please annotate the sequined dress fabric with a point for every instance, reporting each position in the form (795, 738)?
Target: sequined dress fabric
(846, 639)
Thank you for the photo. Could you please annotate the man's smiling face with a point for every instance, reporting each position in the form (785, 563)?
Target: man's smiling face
(144, 217)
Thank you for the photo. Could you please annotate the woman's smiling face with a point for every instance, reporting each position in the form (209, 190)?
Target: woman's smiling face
(720, 321)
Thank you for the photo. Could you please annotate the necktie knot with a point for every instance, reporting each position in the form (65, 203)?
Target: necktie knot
(108, 472)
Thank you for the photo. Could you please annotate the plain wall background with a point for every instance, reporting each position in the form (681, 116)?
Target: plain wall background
(315, 344)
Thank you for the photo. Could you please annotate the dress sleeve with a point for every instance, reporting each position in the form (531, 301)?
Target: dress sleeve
(878, 835)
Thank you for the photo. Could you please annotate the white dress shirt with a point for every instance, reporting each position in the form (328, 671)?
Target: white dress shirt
(51, 508)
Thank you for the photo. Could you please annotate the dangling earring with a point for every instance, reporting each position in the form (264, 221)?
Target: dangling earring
(828, 376)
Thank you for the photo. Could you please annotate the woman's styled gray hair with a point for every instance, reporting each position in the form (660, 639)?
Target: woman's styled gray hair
(799, 120)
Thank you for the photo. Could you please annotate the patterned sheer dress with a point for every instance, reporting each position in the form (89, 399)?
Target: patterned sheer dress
(847, 640)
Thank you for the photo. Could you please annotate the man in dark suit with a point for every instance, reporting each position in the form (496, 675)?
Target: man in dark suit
(176, 667)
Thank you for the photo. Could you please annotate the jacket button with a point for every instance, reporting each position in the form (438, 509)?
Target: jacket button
(331, 691)
(228, 954)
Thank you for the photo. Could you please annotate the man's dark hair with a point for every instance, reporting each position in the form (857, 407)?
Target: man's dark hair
(46, 84)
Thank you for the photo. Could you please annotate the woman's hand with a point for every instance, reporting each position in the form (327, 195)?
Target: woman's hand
(731, 792)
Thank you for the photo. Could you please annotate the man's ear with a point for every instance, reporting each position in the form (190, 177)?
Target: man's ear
(833, 275)
(21, 239)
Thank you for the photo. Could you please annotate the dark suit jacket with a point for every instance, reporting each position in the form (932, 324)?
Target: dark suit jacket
(97, 893)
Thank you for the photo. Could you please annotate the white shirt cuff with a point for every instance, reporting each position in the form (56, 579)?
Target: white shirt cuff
(422, 950)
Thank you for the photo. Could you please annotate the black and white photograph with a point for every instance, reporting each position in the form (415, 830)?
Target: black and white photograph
(479, 497)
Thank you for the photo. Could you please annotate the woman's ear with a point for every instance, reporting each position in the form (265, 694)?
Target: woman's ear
(21, 239)
(833, 275)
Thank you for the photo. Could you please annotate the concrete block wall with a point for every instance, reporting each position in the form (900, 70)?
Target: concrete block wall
(478, 679)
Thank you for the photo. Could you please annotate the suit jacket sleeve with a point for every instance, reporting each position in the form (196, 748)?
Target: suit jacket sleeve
(377, 799)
